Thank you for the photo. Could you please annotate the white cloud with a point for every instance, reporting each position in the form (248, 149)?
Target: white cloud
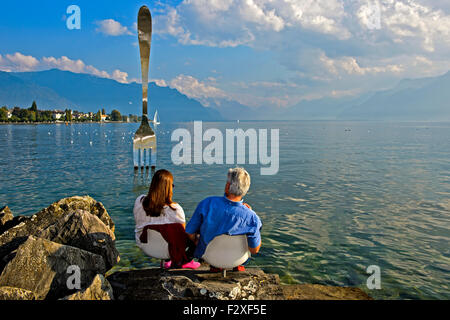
(18, 62)
(324, 45)
(64, 63)
(160, 82)
(120, 76)
(193, 88)
(251, 22)
(337, 27)
(206, 91)
(350, 66)
(230, 23)
(76, 66)
(412, 21)
(111, 27)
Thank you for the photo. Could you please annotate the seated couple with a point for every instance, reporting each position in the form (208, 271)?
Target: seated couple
(213, 216)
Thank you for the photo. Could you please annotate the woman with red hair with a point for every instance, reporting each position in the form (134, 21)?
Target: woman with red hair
(157, 211)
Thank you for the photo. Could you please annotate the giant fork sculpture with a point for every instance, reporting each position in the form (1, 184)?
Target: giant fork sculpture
(144, 142)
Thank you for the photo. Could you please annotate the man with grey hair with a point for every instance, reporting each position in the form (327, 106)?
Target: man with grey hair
(215, 216)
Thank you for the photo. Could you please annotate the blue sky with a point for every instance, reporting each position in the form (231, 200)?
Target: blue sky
(258, 52)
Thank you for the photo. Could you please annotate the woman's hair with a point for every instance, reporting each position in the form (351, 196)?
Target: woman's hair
(159, 194)
(239, 181)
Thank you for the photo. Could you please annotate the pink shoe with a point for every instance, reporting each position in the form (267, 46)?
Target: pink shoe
(191, 265)
(167, 264)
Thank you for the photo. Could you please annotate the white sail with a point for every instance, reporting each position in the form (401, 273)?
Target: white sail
(155, 118)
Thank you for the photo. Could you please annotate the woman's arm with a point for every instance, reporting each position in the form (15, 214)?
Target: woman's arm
(179, 214)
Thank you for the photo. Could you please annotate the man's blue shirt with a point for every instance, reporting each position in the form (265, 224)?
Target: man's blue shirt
(219, 215)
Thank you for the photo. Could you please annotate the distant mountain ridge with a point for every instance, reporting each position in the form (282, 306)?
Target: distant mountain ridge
(16, 92)
(54, 89)
(411, 99)
(426, 99)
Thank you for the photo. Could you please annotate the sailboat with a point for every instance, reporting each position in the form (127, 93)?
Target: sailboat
(155, 118)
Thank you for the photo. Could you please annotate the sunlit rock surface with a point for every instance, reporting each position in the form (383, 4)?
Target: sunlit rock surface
(200, 284)
(5, 215)
(17, 233)
(41, 266)
(11, 293)
(99, 289)
(86, 231)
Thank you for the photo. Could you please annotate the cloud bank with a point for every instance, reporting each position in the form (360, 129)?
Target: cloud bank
(325, 46)
(19, 62)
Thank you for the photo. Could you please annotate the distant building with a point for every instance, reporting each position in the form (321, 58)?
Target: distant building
(9, 113)
(57, 114)
(80, 115)
(103, 118)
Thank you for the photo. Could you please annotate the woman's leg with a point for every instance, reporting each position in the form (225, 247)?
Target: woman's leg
(190, 249)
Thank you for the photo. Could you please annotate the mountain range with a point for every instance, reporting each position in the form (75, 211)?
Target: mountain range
(56, 89)
(411, 99)
(424, 99)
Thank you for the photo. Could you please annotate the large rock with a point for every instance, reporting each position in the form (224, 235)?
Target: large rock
(85, 231)
(7, 220)
(158, 284)
(11, 239)
(10, 293)
(100, 289)
(42, 266)
(12, 223)
(253, 284)
(5, 215)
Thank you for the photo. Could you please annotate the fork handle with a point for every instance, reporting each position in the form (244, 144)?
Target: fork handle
(145, 40)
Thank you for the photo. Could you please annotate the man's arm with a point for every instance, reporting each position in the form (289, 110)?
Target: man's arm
(255, 250)
(254, 240)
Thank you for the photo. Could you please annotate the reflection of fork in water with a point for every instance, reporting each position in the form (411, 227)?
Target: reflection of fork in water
(144, 146)
(142, 180)
(144, 142)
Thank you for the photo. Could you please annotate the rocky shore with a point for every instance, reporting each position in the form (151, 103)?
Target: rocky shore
(65, 250)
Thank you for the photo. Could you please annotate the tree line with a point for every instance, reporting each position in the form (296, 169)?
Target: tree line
(33, 114)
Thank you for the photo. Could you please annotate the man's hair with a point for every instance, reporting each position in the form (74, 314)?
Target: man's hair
(239, 180)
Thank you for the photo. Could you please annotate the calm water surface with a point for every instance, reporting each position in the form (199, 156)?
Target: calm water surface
(342, 200)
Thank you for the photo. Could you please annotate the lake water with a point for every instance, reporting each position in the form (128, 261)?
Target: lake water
(342, 200)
